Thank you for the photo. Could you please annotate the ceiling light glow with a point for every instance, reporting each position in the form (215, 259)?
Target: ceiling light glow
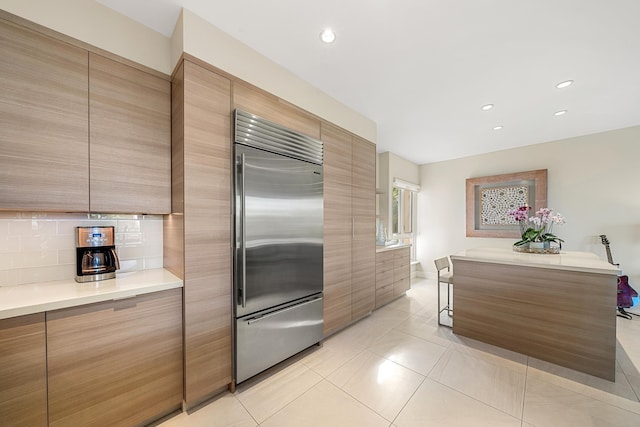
(487, 107)
(497, 128)
(327, 35)
(564, 84)
(560, 113)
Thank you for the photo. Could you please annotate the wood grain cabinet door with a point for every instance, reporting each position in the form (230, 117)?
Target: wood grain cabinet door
(23, 371)
(44, 147)
(130, 139)
(363, 209)
(338, 233)
(116, 362)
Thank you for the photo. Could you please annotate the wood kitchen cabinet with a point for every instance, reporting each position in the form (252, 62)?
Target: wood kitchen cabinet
(23, 371)
(363, 209)
(197, 243)
(116, 362)
(349, 233)
(338, 231)
(44, 149)
(393, 274)
(130, 139)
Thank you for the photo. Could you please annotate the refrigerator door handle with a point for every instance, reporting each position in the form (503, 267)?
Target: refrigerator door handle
(243, 236)
(277, 312)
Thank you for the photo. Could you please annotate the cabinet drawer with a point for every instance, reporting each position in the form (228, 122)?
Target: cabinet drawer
(401, 273)
(401, 286)
(384, 266)
(384, 279)
(402, 261)
(384, 295)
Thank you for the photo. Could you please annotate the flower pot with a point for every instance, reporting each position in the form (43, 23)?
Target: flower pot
(539, 245)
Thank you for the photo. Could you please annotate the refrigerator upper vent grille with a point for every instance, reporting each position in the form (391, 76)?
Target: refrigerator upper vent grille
(260, 133)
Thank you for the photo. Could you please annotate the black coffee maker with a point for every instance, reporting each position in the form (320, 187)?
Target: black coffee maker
(96, 257)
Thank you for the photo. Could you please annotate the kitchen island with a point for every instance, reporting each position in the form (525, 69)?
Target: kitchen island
(560, 308)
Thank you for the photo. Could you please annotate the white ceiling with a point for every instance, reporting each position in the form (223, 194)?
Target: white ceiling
(421, 69)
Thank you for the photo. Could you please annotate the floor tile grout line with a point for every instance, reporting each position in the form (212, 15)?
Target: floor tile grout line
(408, 400)
(524, 392)
(288, 404)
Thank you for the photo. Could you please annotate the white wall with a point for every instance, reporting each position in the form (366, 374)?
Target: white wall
(594, 181)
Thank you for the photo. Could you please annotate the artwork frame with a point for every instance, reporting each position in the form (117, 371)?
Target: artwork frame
(491, 222)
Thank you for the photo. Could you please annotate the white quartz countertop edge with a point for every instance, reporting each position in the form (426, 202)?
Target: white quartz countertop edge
(33, 298)
(587, 262)
(391, 247)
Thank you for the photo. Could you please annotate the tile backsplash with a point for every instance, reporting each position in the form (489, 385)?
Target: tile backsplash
(39, 247)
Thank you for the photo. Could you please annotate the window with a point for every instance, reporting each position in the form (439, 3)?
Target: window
(403, 213)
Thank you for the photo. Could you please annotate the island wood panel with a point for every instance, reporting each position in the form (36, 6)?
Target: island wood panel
(130, 139)
(337, 228)
(272, 108)
(563, 317)
(207, 233)
(115, 362)
(23, 371)
(44, 147)
(363, 209)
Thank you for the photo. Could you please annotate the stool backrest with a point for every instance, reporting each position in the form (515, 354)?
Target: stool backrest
(442, 263)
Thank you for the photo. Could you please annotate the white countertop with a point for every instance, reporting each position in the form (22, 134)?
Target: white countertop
(37, 297)
(565, 260)
(381, 248)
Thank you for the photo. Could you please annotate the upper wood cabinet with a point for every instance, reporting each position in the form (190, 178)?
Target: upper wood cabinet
(198, 242)
(130, 139)
(44, 148)
(23, 371)
(115, 362)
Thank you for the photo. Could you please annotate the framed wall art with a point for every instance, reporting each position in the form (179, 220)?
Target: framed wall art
(489, 198)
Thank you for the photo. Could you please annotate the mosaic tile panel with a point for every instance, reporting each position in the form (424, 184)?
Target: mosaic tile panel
(496, 202)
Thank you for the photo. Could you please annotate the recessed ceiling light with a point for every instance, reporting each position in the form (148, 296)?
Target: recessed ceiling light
(487, 107)
(564, 84)
(327, 35)
(497, 128)
(560, 113)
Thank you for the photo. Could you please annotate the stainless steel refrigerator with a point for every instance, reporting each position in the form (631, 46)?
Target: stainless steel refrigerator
(278, 258)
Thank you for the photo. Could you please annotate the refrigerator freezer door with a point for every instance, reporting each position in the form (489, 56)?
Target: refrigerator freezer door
(279, 229)
(267, 338)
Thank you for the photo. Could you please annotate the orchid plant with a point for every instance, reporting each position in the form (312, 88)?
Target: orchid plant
(537, 228)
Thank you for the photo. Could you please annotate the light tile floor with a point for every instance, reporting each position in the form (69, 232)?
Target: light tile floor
(397, 368)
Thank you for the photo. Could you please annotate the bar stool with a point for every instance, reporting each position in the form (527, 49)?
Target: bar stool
(445, 277)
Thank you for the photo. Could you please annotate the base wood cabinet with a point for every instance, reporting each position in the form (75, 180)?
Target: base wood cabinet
(116, 362)
(349, 232)
(23, 371)
(393, 274)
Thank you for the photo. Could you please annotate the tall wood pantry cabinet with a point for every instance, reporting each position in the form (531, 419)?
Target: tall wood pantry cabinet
(197, 236)
(349, 217)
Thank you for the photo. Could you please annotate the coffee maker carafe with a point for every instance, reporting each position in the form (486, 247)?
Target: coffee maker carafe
(96, 257)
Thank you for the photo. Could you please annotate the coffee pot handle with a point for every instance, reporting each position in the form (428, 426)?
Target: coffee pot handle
(115, 258)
